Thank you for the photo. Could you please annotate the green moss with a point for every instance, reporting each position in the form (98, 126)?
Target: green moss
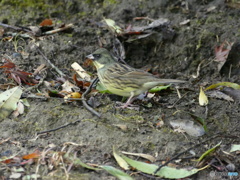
(22, 5)
(205, 36)
(165, 129)
(222, 123)
(150, 146)
(134, 118)
(82, 14)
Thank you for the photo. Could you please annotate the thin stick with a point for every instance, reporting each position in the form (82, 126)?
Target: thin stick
(84, 100)
(60, 127)
(58, 30)
(51, 64)
(15, 27)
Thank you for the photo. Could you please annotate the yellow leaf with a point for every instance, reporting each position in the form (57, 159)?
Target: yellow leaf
(203, 99)
(112, 25)
(121, 162)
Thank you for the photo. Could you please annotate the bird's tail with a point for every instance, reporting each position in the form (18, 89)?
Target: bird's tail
(168, 81)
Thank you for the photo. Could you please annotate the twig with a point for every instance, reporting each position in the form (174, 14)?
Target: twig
(84, 100)
(175, 157)
(58, 30)
(15, 27)
(5, 140)
(178, 100)
(51, 64)
(60, 127)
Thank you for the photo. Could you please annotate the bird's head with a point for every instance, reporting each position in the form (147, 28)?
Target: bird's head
(101, 58)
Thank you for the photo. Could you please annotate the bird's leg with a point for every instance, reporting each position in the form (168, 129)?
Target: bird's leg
(129, 101)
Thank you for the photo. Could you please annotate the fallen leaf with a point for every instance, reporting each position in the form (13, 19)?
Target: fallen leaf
(8, 101)
(77, 161)
(164, 172)
(188, 126)
(235, 147)
(34, 155)
(72, 95)
(121, 162)
(227, 84)
(158, 88)
(221, 53)
(146, 156)
(123, 127)
(113, 27)
(203, 99)
(15, 175)
(46, 22)
(220, 95)
(117, 173)
(233, 93)
(208, 152)
(19, 110)
(69, 87)
(81, 72)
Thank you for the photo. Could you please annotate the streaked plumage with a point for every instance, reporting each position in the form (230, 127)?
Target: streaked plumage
(122, 79)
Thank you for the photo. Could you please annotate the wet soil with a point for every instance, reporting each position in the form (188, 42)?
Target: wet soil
(175, 56)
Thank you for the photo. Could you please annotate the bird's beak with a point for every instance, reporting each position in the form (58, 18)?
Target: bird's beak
(90, 56)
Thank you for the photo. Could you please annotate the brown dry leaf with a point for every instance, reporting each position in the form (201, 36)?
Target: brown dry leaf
(81, 84)
(221, 53)
(39, 69)
(1, 32)
(46, 22)
(33, 155)
(7, 86)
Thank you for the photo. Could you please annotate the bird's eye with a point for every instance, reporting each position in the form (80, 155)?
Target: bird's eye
(97, 56)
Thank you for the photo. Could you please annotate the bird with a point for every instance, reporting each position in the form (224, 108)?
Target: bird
(122, 79)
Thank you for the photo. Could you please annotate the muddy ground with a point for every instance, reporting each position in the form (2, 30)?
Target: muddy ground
(175, 52)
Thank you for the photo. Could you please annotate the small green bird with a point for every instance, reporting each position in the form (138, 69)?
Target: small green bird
(121, 79)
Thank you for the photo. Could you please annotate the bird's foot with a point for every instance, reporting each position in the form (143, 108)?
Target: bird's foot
(121, 105)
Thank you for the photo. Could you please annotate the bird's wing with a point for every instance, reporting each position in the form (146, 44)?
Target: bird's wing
(126, 72)
(129, 73)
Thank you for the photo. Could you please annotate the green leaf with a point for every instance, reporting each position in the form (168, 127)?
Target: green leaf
(209, 151)
(227, 84)
(77, 161)
(113, 27)
(235, 147)
(32, 176)
(8, 101)
(164, 172)
(158, 88)
(25, 102)
(199, 120)
(121, 162)
(117, 173)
